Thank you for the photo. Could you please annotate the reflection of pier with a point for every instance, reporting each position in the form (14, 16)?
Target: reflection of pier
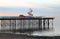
(24, 24)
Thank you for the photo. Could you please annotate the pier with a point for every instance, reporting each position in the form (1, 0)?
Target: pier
(17, 24)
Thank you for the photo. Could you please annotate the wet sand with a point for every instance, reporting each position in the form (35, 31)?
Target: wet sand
(15, 36)
(22, 36)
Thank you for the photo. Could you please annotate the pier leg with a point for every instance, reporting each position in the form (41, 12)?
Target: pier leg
(40, 24)
(29, 23)
(48, 23)
(52, 23)
(44, 24)
(1, 26)
(15, 26)
(10, 25)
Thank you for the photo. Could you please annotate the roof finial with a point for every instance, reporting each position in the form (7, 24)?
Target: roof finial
(30, 12)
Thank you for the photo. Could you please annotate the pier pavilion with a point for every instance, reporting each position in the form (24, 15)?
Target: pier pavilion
(16, 24)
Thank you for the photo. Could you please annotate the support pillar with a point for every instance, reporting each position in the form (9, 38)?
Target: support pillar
(1, 26)
(44, 24)
(48, 23)
(52, 23)
(15, 26)
(10, 25)
(40, 24)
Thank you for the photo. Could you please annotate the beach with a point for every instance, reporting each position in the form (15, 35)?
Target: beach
(24, 36)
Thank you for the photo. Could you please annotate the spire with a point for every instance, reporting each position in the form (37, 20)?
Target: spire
(30, 12)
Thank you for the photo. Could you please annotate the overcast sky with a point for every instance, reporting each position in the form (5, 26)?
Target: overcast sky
(22, 6)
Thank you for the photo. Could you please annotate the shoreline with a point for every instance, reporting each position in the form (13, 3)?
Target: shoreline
(24, 36)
